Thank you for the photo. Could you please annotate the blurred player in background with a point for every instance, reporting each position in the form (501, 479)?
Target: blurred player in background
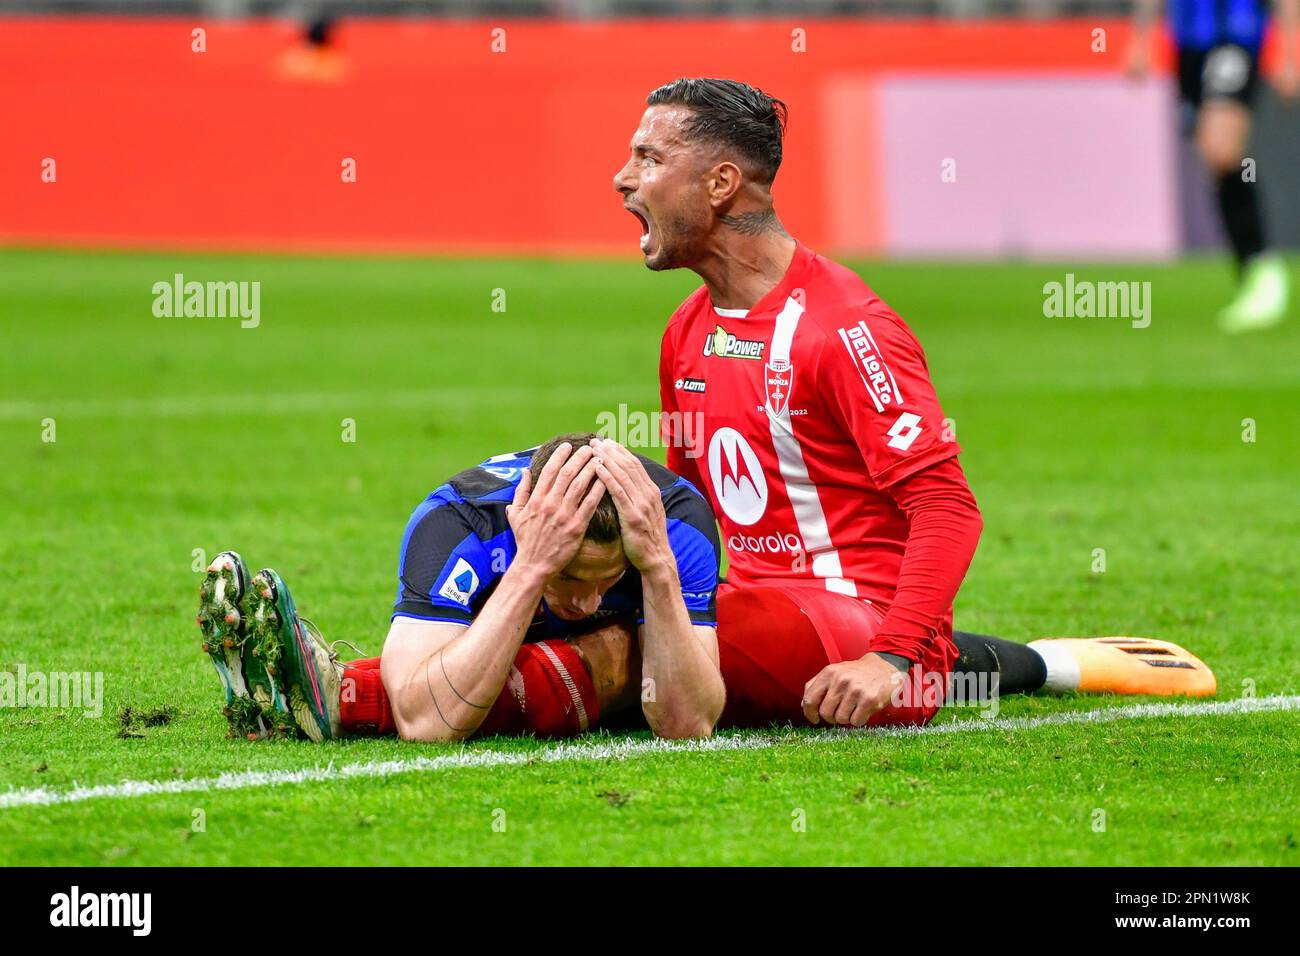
(1218, 44)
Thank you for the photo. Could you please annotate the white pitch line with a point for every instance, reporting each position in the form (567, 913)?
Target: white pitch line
(468, 758)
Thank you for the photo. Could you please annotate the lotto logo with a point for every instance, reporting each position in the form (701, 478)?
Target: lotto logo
(904, 431)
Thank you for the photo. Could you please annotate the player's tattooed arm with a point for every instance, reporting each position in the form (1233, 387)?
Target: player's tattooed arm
(684, 692)
(443, 678)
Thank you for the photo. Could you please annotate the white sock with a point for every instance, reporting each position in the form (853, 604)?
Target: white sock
(1062, 668)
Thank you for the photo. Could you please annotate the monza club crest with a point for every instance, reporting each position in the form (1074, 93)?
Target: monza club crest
(777, 378)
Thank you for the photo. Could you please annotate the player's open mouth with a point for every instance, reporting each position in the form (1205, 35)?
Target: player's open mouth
(645, 227)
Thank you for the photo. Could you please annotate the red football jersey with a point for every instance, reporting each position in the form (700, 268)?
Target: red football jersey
(795, 418)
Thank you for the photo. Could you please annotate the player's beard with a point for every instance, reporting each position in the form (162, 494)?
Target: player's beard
(675, 240)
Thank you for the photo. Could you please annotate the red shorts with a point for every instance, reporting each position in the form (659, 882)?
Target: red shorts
(773, 639)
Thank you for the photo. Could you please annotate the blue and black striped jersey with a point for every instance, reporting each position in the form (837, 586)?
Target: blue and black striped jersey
(458, 543)
(1202, 24)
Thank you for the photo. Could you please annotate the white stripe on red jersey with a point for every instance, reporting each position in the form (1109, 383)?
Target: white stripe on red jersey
(803, 411)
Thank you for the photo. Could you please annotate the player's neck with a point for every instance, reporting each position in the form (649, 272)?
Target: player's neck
(742, 268)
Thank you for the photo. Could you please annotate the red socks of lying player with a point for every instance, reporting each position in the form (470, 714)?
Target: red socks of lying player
(548, 693)
(363, 703)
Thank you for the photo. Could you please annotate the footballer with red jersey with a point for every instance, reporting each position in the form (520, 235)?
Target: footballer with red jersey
(802, 406)
(820, 444)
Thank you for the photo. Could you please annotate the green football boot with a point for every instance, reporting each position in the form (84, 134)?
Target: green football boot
(254, 706)
(306, 671)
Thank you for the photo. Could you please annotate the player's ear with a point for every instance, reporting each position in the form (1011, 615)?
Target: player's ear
(725, 180)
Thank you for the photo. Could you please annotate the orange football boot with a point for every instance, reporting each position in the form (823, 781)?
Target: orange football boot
(1124, 665)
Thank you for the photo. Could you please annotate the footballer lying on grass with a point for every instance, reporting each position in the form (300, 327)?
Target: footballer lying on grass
(544, 590)
(584, 579)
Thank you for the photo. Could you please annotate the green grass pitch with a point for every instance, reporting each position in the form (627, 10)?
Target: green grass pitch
(177, 434)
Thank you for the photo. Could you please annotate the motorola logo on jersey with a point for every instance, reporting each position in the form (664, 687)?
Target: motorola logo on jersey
(737, 476)
(765, 543)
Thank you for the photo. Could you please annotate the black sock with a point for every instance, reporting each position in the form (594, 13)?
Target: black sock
(1239, 209)
(1019, 668)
